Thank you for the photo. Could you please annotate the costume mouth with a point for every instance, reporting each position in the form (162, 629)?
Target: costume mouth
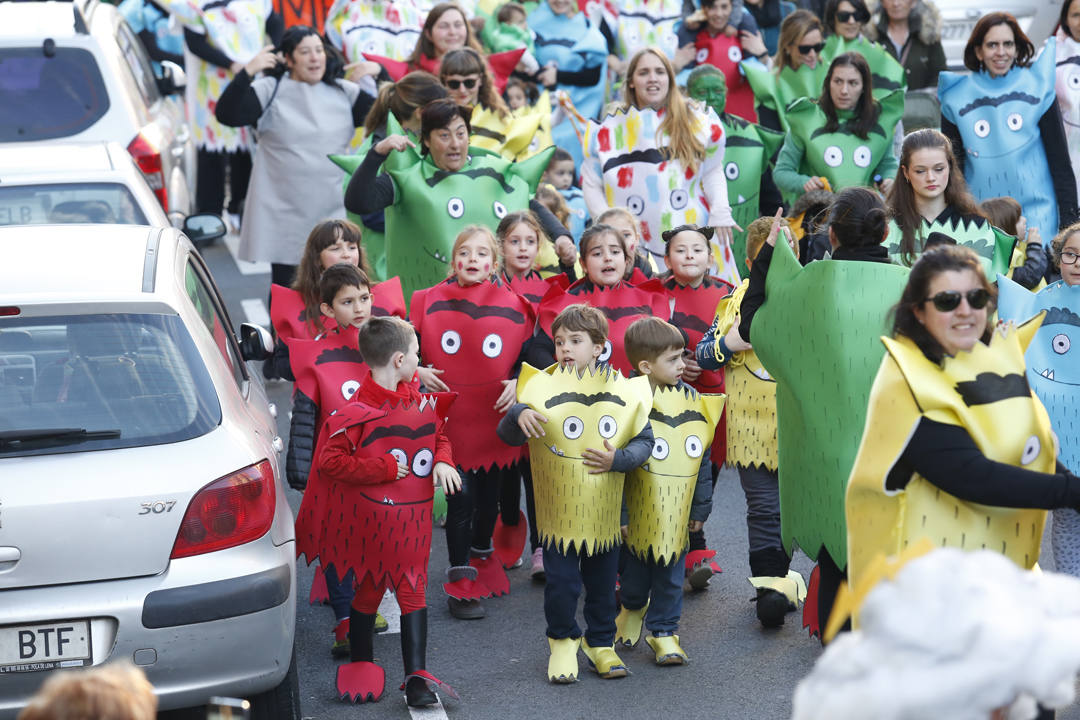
(760, 373)
(437, 255)
(561, 453)
(1048, 374)
(646, 468)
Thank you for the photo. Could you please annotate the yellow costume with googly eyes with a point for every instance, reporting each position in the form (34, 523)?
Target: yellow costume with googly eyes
(984, 391)
(659, 493)
(582, 410)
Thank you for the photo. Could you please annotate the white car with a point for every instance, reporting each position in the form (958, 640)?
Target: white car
(76, 71)
(142, 507)
(1037, 18)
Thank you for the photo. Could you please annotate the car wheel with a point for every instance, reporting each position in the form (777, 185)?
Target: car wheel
(281, 702)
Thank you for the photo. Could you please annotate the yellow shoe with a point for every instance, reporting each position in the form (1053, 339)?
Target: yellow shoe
(628, 625)
(562, 665)
(604, 661)
(667, 649)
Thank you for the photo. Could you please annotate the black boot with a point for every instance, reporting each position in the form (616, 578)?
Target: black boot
(772, 605)
(361, 636)
(414, 654)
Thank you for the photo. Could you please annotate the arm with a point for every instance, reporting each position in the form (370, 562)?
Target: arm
(360, 108)
(701, 505)
(1057, 157)
(200, 47)
(755, 292)
(540, 351)
(369, 190)
(238, 105)
(589, 77)
(888, 166)
(149, 41)
(337, 463)
(592, 187)
(786, 173)
(635, 452)
(551, 225)
(711, 352)
(508, 430)
(947, 457)
(301, 440)
(1035, 263)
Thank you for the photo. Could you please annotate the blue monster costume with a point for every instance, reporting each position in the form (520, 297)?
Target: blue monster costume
(141, 15)
(998, 119)
(574, 44)
(1053, 371)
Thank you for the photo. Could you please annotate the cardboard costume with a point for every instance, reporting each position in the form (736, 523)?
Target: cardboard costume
(726, 53)
(998, 119)
(532, 287)
(692, 312)
(473, 334)
(1067, 88)
(390, 28)
(659, 493)
(994, 246)
(516, 136)
(328, 370)
(886, 73)
(983, 391)
(573, 507)
(287, 311)
(816, 335)
(775, 91)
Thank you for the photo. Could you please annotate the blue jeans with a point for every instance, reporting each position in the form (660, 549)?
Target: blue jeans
(641, 580)
(340, 592)
(566, 573)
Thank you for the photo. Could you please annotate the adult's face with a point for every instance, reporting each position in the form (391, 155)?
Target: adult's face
(307, 62)
(448, 33)
(463, 89)
(808, 50)
(649, 82)
(449, 145)
(961, 327)
(845, 87)
(898, 10)
(710, 89)
(997, 52)
(847, 23)
(1072, 20)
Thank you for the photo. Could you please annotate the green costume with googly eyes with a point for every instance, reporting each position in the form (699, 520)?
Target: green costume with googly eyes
(997, 250)
(886, 73)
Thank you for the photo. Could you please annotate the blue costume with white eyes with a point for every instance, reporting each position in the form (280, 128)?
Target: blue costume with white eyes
(1068, 93)
(1053, 371)
(998, 119)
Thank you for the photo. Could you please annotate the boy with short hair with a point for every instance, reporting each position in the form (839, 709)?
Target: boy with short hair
(382, 453)
(567, 412)
(669, 495)
(561, 174)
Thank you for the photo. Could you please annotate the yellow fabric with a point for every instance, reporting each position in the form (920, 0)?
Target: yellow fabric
(793, 587)
(541, 136)
(510, 136)
(660, 492)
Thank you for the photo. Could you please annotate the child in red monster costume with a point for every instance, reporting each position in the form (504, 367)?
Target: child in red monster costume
(373, 502)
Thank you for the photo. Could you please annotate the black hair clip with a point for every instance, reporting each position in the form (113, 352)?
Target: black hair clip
(668, 234)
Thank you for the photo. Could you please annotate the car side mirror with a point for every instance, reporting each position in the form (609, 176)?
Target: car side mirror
(173, 78)
(256, 343)
(204, 228)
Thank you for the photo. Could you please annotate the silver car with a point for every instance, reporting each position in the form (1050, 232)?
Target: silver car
(142, 506)
(76, 71)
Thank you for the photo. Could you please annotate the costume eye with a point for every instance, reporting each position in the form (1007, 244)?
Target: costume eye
(861, 156)
(702, 55)
(1061, 344)
(731, 171)
(1014, 121)
(608, 427)
(635, 204)
(492, 346)
(694, 448)
(678, 199)
(348, 388)
(734, 54)
(499, 209)
(982, 128)
(455, 207)
(572, 427)
(400, 456)
(659, 448)
(451, 342)
(833, 156)
(1073, 81)
(423, 463)
(605, 355)
(1031, 450)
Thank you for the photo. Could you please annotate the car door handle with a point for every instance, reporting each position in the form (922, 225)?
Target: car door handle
(9, 556)
(278, 444)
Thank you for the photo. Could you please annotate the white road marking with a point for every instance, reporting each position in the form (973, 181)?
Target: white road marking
(431, 712)
(389, 609)
(256, 312)
(232, 241)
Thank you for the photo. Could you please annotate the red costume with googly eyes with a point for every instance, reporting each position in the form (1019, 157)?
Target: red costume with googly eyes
(287, 310)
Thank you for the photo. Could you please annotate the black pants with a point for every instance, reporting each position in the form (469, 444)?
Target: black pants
(471, 512)
(210, 182)
(566, 573)
(510, 501)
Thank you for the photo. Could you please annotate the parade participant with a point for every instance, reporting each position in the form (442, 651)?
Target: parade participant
(669, 495)
(1004, 123)
(910, 31)
(642, 265)
(966, 456)
(162, 38)
(846, 18)
(821, 407)
(586, 426)
(797, 69)
(643, 24)
(843, 20)
(520, 94)
(431, 194)
(1006, 214)
(389, 443)
(1051, 371)
(751, 444)
(1067, 87)
(446, 28)
(844, 139)
(301, 115)
(658, 155)
(473, 327)
(603, 258)
(387, 28)
(560, 174)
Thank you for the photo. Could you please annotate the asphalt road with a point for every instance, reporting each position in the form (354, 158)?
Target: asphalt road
(497, 665)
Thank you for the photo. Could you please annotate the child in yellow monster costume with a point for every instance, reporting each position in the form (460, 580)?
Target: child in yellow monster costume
(666, 496)
(586, 426)
(751, 445)
(956, 447)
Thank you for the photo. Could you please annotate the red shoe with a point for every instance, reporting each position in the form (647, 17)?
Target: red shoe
(700, 568)
(360, 682)
(509, 541)
(463, 584)
(490, 572)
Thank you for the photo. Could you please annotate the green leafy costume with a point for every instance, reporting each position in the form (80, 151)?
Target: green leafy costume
(993, 246)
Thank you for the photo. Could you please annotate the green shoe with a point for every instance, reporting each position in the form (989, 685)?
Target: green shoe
(380, 623)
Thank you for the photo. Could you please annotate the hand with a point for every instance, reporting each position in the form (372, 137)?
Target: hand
(548, 76)
(564, 248)
(775, 229)
(446, 475)
(600, 460)
(724, 234)
(752, 44)
(884, 185)
(507, 397)
(429, 377)
(1033, 235)
(813, 183)
(362, 68)
(730, 31)
(616, 64)
(402, 470)
(692, 371)
(531, 423)
(695, 525)
(624, 530)
(263, 60)
(683, 56)
(393, 142)
(734, 341)
(1021, 227)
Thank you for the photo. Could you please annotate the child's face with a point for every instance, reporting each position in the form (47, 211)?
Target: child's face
(519, 249)
(668, 368)
(515, 97)
(351, 306)
(574, 347)
(687, 257)
(718, 15)
(604, 261)
(410, 362)
(561, 174)
(518, 19)
(340, 252)
(563, 7)
(474, 260)
(627, 230)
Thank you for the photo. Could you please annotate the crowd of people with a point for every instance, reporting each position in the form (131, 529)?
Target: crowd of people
(542, 259)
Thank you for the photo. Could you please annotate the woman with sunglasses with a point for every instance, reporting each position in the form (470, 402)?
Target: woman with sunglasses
(797, 69)
(910, 31)
(846, 18)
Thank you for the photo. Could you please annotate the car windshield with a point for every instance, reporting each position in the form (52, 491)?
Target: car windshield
(69, 203)
(49, 95)
(100, 382)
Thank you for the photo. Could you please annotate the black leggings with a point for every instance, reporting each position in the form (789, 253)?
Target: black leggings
(472, 510)
(210, 182)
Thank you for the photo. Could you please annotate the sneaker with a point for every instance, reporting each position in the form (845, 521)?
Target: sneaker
(380, 623)
(537, 572)
(340, 648)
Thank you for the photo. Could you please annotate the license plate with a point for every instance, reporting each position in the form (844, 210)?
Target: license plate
(21, 214)
(957, 30)
(30, 648)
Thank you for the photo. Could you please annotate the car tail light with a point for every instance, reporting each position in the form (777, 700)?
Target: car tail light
(9, 310)
(148, 158)
(231, 511)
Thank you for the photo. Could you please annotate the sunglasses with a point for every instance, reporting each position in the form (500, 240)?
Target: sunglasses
(805, 49)
(846, 16)
(949, 300)
(455, 84)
